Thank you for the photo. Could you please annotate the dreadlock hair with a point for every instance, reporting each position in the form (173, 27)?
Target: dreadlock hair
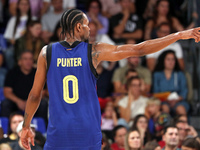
(69, 20)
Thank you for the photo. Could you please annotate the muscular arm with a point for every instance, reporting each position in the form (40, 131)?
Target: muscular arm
(106, 52)
(35, 94)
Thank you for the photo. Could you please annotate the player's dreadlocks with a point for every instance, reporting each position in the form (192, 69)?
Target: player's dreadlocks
(69, 20)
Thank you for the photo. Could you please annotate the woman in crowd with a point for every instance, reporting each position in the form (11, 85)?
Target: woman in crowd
(141, 124)
(162, 14)
(168, 77)
(133, 140)
(94, 14)
(30, 41)
(17, 25)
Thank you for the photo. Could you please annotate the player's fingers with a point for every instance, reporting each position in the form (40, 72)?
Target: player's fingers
(25, 143)
(32, 141)
(197, 37)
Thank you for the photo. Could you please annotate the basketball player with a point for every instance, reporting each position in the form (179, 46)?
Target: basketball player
(69, 67)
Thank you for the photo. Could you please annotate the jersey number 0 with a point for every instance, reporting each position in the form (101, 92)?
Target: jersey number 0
(75, 92)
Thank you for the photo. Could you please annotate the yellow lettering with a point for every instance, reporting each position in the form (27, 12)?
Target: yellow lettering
(75, 62)
(68, 62)
(63, 62)
(71, 61)
(58, 62)
(79, 62)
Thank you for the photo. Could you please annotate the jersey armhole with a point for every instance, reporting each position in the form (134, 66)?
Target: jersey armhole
(90, 61)
(48, 55)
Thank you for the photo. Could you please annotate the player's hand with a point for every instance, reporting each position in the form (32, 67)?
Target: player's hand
(191, 34)
(27, 136)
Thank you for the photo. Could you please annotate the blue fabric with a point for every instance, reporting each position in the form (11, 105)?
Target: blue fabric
(72, 124)
(161, 84)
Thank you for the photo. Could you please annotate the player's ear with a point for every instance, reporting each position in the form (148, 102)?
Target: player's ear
(79, 27)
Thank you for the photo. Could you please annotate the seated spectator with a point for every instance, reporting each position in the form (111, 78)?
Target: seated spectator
(38, 7)
(141, 124)
(17, 145)
(94, 15)
(109, 118)
(191, 144)
(14, 119)
(67, 4)
(5, 146)
(3, 71)
(110, 8)
(152, 145)
(185, 131)
(18, 84)
(126, 24)
(57, 36)
(133, 140)
(30, 41)
(169, 78)
(119, 76)
(134, 103)
(148, 13)
(50, 19)
(164, 30)
(17, 25)
(171, 138)
(119, 133)
(162, 14)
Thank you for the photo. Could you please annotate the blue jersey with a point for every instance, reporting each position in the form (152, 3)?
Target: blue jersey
(74, 111)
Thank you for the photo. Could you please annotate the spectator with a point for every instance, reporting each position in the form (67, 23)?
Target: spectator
(169, 78)
(164, 30)
(67, 4)
(119, 133)
(110, 8)
(38, 7)
(126, 25)
(94, 15)
(109, 118)
(162, 14)
(134, 103)
(39, 139)
(105, 144)
(185, 131)
(171, 138)
(57, 36)
(191, 144)
(17, 145)
(30, 41)
(141, 124)
(148, 13)
(50, 19)
(14, 119)
(18, 84)
(152, 145)
(133, 140)
(5, 146)
(119, 77)
(17, 25)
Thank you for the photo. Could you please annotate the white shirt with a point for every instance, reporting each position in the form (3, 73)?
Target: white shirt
(137, 107)
(176, 47)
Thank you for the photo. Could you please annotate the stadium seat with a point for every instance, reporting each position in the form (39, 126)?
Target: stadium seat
(4, 122)
(40, 124)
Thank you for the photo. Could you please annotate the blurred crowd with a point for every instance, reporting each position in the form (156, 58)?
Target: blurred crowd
(145, 102)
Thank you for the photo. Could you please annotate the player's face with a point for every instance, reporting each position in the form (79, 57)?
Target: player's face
(86, 30)
(134, 140)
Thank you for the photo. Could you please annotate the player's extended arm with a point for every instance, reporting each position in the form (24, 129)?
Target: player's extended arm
(34, 99)
(102, 51)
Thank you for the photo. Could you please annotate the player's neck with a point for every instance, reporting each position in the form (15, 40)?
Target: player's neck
(71, 40)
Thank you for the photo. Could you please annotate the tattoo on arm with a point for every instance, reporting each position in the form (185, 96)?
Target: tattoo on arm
(25, 117)
(95, 55)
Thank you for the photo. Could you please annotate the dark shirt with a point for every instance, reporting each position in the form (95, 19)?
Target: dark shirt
(20, 83)
(15, 146)
(134, 22)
